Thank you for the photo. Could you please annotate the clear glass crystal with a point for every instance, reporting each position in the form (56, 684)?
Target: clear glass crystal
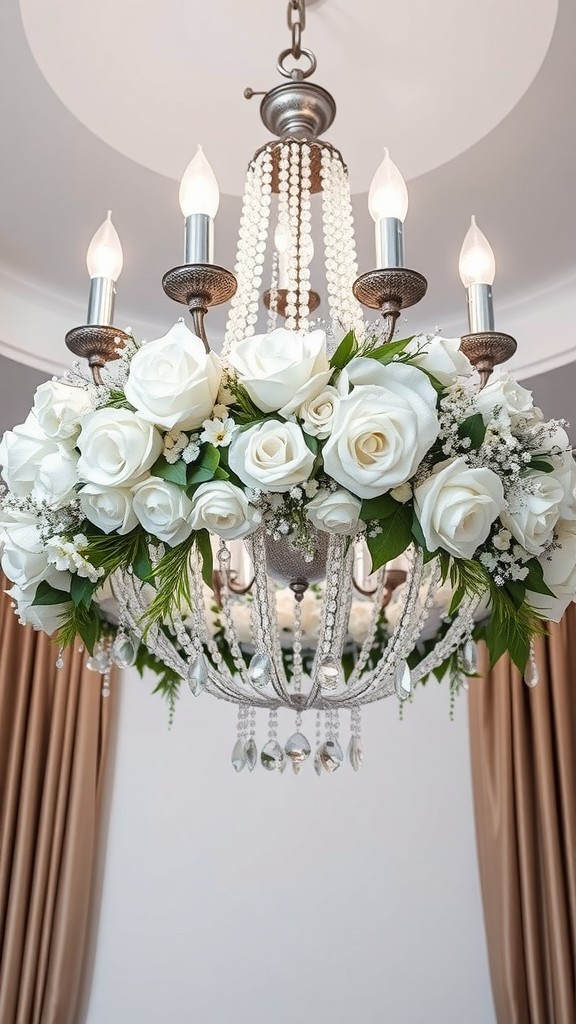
(355, 752)
(239, 755)
(330, 674)
(402, 680)
(297, 748)
(260, 670)
(272, 756)
(198, 674)
(251, 754)
(469, 657)
(331, 755)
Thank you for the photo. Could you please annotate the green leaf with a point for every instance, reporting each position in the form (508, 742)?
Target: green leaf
(496, 640)
(204, 469)
(88, 626)
(474, 428)
(46, 594)
(172, 472)
(421, 541)
(535, 579)
(541, 466)
(311, 443)
(395, 537)
(82, 590)
(205, 552)
(347, 348)
(221, 474)
(517, 591)
(385, 353)
(378, 508)
(141, 563)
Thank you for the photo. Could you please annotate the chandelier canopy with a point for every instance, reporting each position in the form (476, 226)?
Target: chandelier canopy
(320, 516)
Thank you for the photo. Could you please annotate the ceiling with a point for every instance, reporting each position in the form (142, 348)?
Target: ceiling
(102, 104)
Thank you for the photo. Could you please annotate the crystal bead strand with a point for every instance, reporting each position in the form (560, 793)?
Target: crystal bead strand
(461, 627)
(264, 614)
(368, 644)
(239, 758)
(294, 229)
(531, 673)
(297, 746)
(317, 760)
(305, 240)
(272, 756)
(352, 317)
(251, 748)
(355, 750)
(273, 307)
(327, 670)
(251, 251)
(228, 622)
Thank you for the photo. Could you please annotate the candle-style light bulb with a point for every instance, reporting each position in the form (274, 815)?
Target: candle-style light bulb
(388, 205)
(388, 196)
(199, 192)
(199, 200)
(476, 264)
(104, 257)
(477, 268)
(104, 260)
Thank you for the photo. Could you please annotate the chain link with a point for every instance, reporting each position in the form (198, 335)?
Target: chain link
(296, 17)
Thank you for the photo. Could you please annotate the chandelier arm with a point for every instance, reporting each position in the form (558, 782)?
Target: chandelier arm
(459, 630)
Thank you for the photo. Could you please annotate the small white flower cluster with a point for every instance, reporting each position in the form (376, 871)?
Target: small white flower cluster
(66, 555)
(178, 445)
(506, 560)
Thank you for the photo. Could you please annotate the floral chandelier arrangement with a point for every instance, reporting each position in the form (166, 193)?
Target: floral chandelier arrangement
(304, 452)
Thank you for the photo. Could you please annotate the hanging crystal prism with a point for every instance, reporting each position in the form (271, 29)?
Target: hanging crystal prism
(469, 657)
(198, 674)
(531, 673)
(239, 755)
(402, 680)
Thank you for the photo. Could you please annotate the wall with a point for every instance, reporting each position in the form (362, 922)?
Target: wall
(258, 898)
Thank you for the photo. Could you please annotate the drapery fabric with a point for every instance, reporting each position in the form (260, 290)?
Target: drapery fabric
(523, 751)
(54, 733)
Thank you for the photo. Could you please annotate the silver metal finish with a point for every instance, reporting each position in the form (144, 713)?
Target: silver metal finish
(389, 242)
(298, 109)
(199, 239)
(101, 301)
(480, 308)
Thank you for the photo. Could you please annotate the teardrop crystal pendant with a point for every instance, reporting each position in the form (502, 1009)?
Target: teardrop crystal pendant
(260, 670)
(239, 756)
(469, 657)
(251, 754)
(330, 674)
(355, 752)
(123, 651)
(197, 674)
(331, 755)
(531, 674)
(272, 756)
(297, 749)
(402, 680)
(318, 762)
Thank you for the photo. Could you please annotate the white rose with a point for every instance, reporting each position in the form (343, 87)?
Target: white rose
(173, 381)
(318, 412)
(383, 429)
(25, 559)
(56, 478)
(163, 510)
(334, 512)
(457, 505)
(559, 567)
(272, 456)
(223, 509)
(441, 357)
(44, 617)
(109, 508)
(505, 394)
(59, 408)
(283, 369)
(565, 473)
(21, 452)
(116, 447)
(532, 515)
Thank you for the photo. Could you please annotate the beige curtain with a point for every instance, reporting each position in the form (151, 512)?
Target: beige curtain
(54, 731)
(523, 748)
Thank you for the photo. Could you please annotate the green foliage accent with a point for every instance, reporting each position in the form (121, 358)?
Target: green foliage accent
(385, 353)
(82, 590)
(311, 443)
(204, 469)
(245, 411)
(378, 508)
(535, 579)
(46, 594)
(169, 682)
(83, 622)
(172, 472)
(110, 551)
(540, 466)
(117, 400)
(172, 581)
(346, 351)
(205, 552)
(395, 537)
(141, 563)
(421, 540)
(474, 428)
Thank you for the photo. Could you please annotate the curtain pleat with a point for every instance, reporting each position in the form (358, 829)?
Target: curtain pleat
(523, 751)
(54, 733)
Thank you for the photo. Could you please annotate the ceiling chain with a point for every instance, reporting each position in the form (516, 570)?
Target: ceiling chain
(296, 24)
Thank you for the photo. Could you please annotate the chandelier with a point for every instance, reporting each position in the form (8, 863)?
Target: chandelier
(320, 517)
